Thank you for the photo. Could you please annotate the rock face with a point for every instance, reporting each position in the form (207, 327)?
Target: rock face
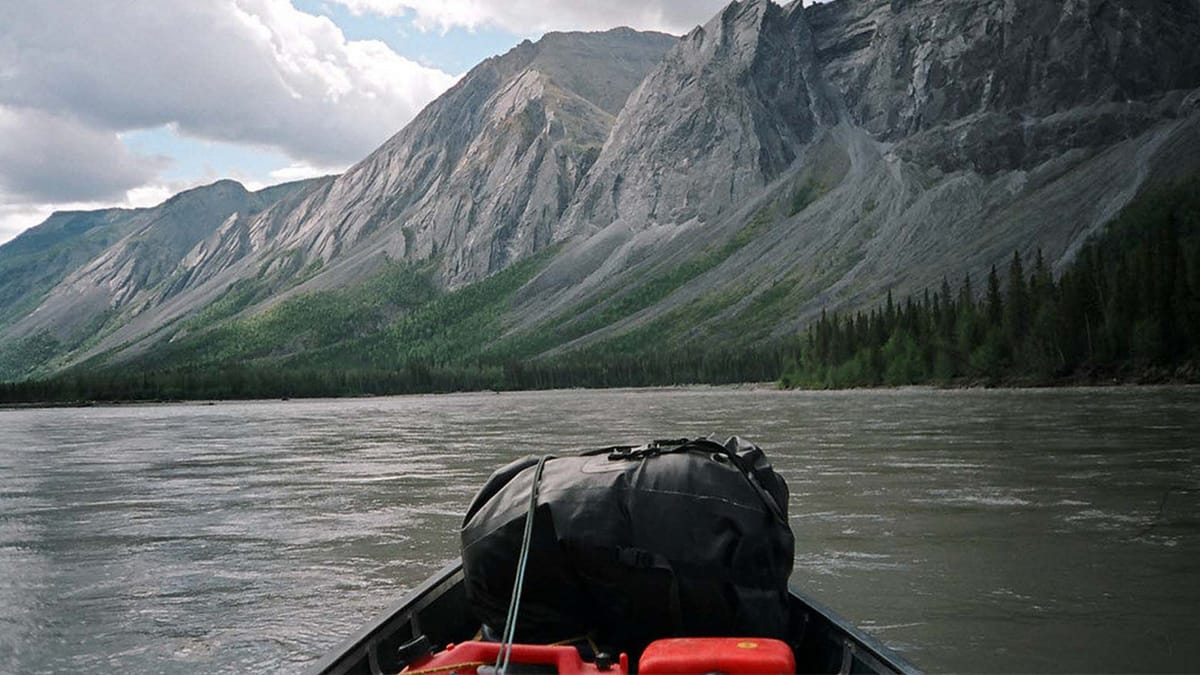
(809, 156)
(482, 175)
(887, 143)
(725, 112)
(1006, 84)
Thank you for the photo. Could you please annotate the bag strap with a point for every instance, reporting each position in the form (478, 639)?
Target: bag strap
(699, 445)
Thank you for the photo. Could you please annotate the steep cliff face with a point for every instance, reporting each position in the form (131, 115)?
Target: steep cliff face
(903, 141)
(482, 175)
(1005, 84)
(726, 111)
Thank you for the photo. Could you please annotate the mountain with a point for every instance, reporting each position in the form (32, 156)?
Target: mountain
(481, 175)
(849, 148)
(41, 257)
(478, 179)
(596, 195)
(81, 273)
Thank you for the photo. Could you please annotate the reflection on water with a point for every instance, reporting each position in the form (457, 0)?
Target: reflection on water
(974, 530)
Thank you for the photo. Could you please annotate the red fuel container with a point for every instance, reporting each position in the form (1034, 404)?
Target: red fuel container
(697, 656)
(467, 658)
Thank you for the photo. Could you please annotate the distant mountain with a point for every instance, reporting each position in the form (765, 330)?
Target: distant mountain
(608, 193)
(79, 274)
(41, 257)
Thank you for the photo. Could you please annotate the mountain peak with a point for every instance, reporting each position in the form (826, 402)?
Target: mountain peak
(725, 112)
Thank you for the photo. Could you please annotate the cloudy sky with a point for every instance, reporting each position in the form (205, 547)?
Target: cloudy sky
(125, 102)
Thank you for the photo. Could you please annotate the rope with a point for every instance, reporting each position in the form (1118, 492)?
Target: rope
(579, 638)
(510, 622)
(441, 669)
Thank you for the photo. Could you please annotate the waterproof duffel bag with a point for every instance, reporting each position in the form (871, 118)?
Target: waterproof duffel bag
(675, 538)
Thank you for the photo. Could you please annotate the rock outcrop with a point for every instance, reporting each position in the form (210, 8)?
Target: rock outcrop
(1006, 84)
(726, 111)
(480, 177)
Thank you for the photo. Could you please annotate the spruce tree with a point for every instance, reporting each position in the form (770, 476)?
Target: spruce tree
(1016, 306)
(995, 305)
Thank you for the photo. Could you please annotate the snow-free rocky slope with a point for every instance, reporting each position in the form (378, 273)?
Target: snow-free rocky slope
(729, 184)
(66, 278)
(858, 146)
(479, 178)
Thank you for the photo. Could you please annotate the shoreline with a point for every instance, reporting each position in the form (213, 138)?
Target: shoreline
(1010, 384)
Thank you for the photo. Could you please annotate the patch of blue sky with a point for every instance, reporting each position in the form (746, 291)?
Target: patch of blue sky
(195, 158)
(453, 51)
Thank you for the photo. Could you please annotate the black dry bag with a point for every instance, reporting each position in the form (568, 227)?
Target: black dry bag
(676, 538)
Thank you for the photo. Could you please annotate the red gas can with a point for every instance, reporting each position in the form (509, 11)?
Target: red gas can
(467, 659)
(696, 656)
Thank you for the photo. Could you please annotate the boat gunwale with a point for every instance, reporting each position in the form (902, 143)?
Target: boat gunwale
(410, 604)
(407, 603)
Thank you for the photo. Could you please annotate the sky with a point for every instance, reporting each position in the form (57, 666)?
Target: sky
(116, 103)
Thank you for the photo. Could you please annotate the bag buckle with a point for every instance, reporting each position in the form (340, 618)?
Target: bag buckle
(651, 449)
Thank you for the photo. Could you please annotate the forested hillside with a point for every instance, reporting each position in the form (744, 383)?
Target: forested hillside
(1127, 309)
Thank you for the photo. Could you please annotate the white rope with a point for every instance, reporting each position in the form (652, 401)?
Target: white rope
(510, 622)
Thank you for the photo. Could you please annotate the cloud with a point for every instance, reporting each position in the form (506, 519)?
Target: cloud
(47, 158)
(76, 76)
(246, 71)
(294, 172)
(532, 17)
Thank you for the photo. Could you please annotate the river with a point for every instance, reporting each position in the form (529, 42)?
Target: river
(1001, 530)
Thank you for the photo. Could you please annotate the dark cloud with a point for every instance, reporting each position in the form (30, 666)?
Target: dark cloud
(46, 158)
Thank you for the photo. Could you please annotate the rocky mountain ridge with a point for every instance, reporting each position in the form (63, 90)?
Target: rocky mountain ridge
(728, 185)
(117, 262)
(902, 174)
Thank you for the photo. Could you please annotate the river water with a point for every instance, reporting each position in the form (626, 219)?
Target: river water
(1050, 530)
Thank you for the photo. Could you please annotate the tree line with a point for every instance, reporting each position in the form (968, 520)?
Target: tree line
(1127, 308)
(241, 381)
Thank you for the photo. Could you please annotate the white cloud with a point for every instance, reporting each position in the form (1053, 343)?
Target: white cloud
(246, 71)
(533, 17)
(300, 172)
(75, 74)
(48, 157)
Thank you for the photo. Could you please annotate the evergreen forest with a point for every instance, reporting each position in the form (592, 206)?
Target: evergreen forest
(1127, 309)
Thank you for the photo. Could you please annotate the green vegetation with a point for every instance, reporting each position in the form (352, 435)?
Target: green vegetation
(804, 194)
(20, 356)
(1128, 308)
(399, 334)
(43, 256)
(304, 322)
(608, 309)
